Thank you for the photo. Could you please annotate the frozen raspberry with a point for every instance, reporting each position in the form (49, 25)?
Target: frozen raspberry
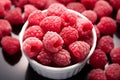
(113, 72)
(51, 23)
(98, 59)
(32, 46)
(49, 2)
(91, 15)
(76, 6)
(52, 41)
(62, 58)
(2, 11)
(107, 26)
(5, 28)
(34, 31)
(6, 4)
(36, 17)
(14, 16)
(56, 9)
(97, 74)
(27, 10)
(89, 4)
(38, 3)
(44, 57)
(106, 44)
(69, 18)
(79, 50)
(10, 45)
(115, 55)
(20, 3)
(102, 8)
(69, 35)
(115, 4)
(118, 16)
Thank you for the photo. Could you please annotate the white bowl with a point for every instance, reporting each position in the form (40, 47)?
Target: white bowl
(53, 72)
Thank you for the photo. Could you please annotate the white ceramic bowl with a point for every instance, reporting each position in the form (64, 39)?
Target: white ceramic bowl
(53, 72)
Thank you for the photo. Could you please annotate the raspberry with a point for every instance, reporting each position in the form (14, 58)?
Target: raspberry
(32, 46)
(20, 3)
(115, 55)
(69, 35)
(91, 15)
(76, 6)
(34, 31)
(52, 41)
(56, 9)
(79, 50)
(115, 4)
(113, 72)
(6, 4)
(49, 2)
(62, 58)
(66, 1)
(97, 74)
(98, 59)
(107, 26)
(51, 23)
(38, 3)
(10, 45)
(106, 44)
(27, 10)
(14, 16)
(5, 28)
(2, 11)
(102, 8)
(89, 4)
(44, 57)
(118, 16)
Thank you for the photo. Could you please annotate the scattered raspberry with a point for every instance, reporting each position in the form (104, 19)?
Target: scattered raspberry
(6, 4)
(98, 59)
(66, 1)
(113, 72)
(115, 55)
(97, 74)
(115, 4)
(51, 23)
(2, 11)
(118, 16)
(56, 9)
(107, 26)
(79, 50)
(36, 17)
(32, 46)
(69, 35)
(76, 6)
(20, 3)
(34, 31)
(106, 44)
(62, 58)
(14, 16)
(49, 2)
(102, 8)
(91, 15)
(52, 41)
(5, 28)
(10, 45)
(44, 57)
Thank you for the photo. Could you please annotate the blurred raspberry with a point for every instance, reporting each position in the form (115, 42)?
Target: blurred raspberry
(115, 4)
(65, 2)
(118, 16)
(6, 3)
(19, 3)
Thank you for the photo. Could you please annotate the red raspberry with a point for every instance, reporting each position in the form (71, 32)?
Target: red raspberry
(36, 17)
(27, 10)
(91, 15)
(44, 57)
(97, 74)
(2, 11)
(89, 4)
(34, 31)
(66, 1)
(6, 4)
(38, 3)
(5, 28)
(115, 4)
(98, 59)
(102, 8)
(10, 45)
(113, 72)
(115, 55)
(52, 41)
(62, 58)
(118, 16)
(49, 2)
(56, 9)
(32, 46)
(20, 3)
(106, 44)
(79, 50)
(76, 6)
(107, 26)
(14, 16)
(69, 35)
(51, 23)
